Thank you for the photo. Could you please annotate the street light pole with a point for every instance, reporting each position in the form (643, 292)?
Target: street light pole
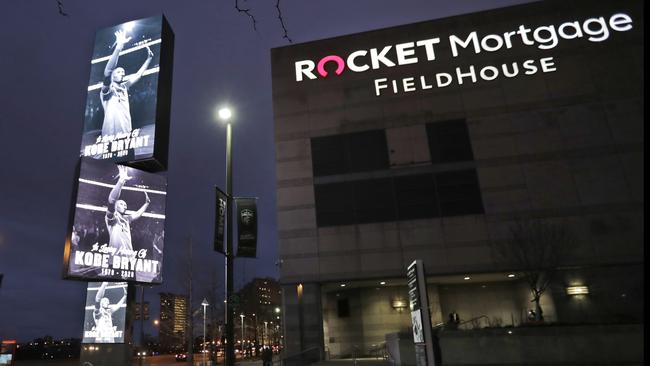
(256, 340)
(242, 331)
(204, 304)
(225, 115)
(266, 341)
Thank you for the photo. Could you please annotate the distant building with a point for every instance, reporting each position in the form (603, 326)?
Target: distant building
(260, 301)
(430, 140)
(174, 315)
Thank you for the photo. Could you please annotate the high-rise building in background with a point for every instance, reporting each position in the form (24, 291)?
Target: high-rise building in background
(174, 317)
(260, 303)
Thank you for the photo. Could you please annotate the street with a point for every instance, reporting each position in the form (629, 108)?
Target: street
(162, 360)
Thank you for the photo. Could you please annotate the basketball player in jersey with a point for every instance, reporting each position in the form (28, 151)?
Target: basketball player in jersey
(115, 90)
(118, 222)
(103, 315)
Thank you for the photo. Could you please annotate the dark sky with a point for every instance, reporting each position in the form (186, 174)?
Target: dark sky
(219, 58)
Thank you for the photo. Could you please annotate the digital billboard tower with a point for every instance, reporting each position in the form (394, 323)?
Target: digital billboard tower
(116, 226)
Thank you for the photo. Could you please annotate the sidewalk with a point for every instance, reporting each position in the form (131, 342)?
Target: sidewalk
(349, 361)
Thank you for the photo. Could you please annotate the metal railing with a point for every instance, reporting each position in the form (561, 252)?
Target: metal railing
(379, 351)
(310, 355)
(473, 320)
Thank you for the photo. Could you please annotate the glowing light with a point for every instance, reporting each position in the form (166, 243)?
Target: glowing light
(398, 304)
(577, 290)
(466, 278)
(224, 113)
(128, 26)
(382, 282)
(511, 275)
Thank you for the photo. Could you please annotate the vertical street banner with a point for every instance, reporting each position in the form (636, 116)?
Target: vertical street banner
(420, 317)
(126, 118)
(220, 220)
(117, 228)
(105, 313)
(246, 227)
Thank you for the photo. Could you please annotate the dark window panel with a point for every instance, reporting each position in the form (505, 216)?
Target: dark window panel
(334, 204)
(343, 308)
(459, 193)
(368, 151)
(374, 201)
(416, 197)
(329, 155)
(349, 153)
(449, 142)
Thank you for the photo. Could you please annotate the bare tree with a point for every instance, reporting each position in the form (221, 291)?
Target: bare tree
(215, 314)
(535, 248)
(59, 5)
(186, 280)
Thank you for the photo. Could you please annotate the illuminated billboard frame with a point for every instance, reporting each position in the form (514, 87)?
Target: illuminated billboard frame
(117, 224)
(105, 312)
(127, 110)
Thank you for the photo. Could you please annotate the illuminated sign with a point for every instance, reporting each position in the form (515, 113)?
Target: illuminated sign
(547, 37)
(420, 317)
(118, 226)
(105, 315)
(127, 106)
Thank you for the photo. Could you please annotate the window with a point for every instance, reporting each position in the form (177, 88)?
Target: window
(374, 201)
(343, 308)
(329, 155)
(334, 204)
(449, 142)
(368, 151)
(416, 197)
(410, 197)
(459, 193)
(349, 153)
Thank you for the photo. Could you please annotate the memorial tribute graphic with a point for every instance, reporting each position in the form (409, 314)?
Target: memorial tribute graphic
(105, 316)
(129, 75)
(118, 226)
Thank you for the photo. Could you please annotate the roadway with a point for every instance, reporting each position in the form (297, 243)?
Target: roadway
(162, 360)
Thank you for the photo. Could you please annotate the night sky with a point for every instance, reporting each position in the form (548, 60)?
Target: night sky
(219, 58)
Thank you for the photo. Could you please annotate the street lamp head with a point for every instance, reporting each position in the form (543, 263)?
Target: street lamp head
(277, 310)
(205, 302)
(224, 114)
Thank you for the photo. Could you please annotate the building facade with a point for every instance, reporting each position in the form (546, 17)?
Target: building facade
(433, 141)
(174, 317)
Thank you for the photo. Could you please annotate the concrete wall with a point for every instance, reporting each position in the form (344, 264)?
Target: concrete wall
(552, 345)
(302, 318)
(493, 304)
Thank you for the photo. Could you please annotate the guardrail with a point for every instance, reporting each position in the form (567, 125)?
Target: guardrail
(310, 355)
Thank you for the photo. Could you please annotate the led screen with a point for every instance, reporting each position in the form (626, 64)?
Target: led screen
(127, 104)
(105, 314)
(117, 231)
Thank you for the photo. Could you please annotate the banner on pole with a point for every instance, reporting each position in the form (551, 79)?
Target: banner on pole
(220, 220)
(246, 227)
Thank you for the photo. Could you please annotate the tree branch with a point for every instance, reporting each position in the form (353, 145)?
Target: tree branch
(59, 3)
(247, 12)
(277, 6)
